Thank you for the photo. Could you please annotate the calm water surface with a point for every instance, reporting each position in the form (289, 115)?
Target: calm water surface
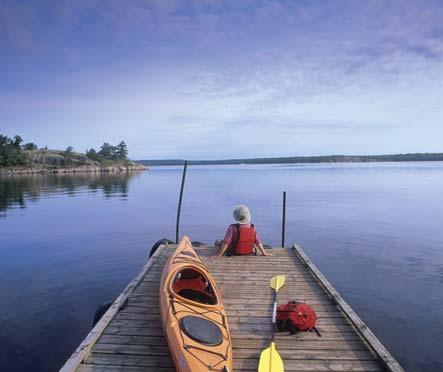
(69, 243)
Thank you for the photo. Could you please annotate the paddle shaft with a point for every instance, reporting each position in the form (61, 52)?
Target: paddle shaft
(274, 316)
(270, 359)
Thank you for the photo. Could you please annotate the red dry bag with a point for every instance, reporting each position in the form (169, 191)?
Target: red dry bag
(296, 317)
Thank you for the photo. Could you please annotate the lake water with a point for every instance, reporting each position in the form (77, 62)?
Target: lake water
(69, 243)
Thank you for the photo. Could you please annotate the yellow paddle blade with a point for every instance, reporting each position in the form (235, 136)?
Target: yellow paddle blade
(277, 282)
(270, 360)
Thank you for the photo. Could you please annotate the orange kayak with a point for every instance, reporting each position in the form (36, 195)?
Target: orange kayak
(193, 316)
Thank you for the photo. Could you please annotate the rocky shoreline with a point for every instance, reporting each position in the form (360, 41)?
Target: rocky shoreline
(78, 169)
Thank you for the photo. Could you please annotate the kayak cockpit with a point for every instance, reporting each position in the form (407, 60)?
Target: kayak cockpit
(193, 285)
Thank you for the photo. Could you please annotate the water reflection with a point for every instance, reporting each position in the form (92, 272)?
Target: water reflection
(18, 190)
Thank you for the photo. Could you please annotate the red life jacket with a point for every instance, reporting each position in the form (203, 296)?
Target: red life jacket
(246, 240)
(296, 316)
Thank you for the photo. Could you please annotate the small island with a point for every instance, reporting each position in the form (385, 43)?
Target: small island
(17, 157)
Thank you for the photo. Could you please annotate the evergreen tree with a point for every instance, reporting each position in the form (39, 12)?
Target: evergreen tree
(107, 152)
(18, 141)
(30, 146)
(3, 140)
(11, 153)
(69, 151)
(92, 154)
(122, 151)
(68, 155)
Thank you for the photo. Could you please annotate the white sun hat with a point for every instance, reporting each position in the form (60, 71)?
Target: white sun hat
(241, 214)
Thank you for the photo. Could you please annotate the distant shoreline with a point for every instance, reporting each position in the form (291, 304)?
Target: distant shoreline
(304, 159)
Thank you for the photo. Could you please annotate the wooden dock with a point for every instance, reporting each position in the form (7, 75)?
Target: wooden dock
(129, 337)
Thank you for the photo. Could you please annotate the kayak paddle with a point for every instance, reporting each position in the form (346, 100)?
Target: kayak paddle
(270, 360)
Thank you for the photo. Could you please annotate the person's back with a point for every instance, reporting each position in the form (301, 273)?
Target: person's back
(247, 237)
(241, 237)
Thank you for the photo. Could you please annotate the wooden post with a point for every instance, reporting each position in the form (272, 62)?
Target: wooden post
(283, 222)
(177, 226)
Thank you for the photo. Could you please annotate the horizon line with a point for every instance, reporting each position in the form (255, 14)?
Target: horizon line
(294, 157)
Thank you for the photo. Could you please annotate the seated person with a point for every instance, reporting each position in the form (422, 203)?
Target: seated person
(242, 237)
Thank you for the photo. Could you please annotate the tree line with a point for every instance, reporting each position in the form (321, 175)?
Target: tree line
(14, 152)
(109, 152)
(306, 159)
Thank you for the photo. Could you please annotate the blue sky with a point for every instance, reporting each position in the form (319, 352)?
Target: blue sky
(210, 79)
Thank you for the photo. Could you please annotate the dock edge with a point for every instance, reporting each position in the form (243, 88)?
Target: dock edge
(84, 349)
(383, 355)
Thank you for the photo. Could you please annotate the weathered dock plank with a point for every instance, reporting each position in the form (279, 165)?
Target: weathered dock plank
(130, 338)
